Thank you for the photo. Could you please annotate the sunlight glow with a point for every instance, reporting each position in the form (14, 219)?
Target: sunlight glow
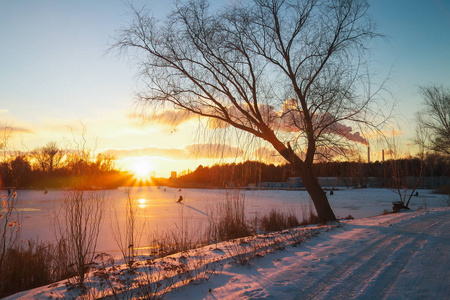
(142, 168)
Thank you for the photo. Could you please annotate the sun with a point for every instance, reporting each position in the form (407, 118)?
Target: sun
(142, 168)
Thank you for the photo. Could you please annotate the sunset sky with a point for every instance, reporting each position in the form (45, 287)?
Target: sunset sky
(56, 74)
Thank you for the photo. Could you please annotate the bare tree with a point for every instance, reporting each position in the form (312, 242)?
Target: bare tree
(405, 173)
(48, 157)
(237, 66)
(433, 131)
(106, 162)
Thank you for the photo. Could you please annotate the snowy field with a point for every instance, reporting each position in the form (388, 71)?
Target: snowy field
(394, 256)
(158, 212)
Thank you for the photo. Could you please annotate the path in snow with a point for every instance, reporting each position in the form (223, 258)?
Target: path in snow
(407, 261)
(396, 256)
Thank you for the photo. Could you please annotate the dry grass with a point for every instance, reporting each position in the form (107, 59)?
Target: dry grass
(32, 264)
(227, 218)
(277, 220)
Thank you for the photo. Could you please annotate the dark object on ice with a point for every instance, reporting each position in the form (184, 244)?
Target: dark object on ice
(416, 194)
(180, 199)
(45, 192)
(164, 190)
(398, 206)
(331, 193)
(9, 192)
(179, 190)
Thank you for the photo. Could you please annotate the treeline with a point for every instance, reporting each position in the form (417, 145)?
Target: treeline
(52, 167)
(252, 172)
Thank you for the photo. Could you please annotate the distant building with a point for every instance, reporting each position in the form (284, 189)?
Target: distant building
(291, 183)
(173, 174)
(295, 182)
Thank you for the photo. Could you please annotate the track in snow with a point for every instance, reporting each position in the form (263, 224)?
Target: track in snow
(409, 260)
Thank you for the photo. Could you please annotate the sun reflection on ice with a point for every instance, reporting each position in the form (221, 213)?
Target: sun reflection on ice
(142, 202)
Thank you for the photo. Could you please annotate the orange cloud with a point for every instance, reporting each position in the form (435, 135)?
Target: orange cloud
(213, 151)
(268, 155)
(193, 151)
(172, 153)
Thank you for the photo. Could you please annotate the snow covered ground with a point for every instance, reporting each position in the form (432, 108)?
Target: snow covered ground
(393, 256)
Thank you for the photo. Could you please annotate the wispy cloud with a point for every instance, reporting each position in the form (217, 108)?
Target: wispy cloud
(213, 151)
(268, 155)
(13, 129)
(193, 151)
(171, 153)
(288, 119)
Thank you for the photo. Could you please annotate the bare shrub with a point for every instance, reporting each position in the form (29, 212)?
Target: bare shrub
(182, 238)
(9, 231)
(241, 251)
(128, 236)
(77, 225)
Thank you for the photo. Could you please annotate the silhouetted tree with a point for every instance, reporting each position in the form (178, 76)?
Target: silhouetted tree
(433, 132)
(48, 157)
(238, 65)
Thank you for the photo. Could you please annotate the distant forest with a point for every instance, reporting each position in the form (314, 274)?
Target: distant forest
(50, 167)
(252, 172)
(42, 170)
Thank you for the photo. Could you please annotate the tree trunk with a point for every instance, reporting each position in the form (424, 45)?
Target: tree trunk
(318, 196)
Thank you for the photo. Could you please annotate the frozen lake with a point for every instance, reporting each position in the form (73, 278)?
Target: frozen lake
(159, 212)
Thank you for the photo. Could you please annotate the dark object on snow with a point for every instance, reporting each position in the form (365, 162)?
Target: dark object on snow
(180, 199)
(398, 206)
(45, 192)
(331, 193)
(179, 190)
(416, 194)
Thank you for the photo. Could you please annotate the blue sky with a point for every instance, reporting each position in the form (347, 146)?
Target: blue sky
(417, 49)
(54, 70)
